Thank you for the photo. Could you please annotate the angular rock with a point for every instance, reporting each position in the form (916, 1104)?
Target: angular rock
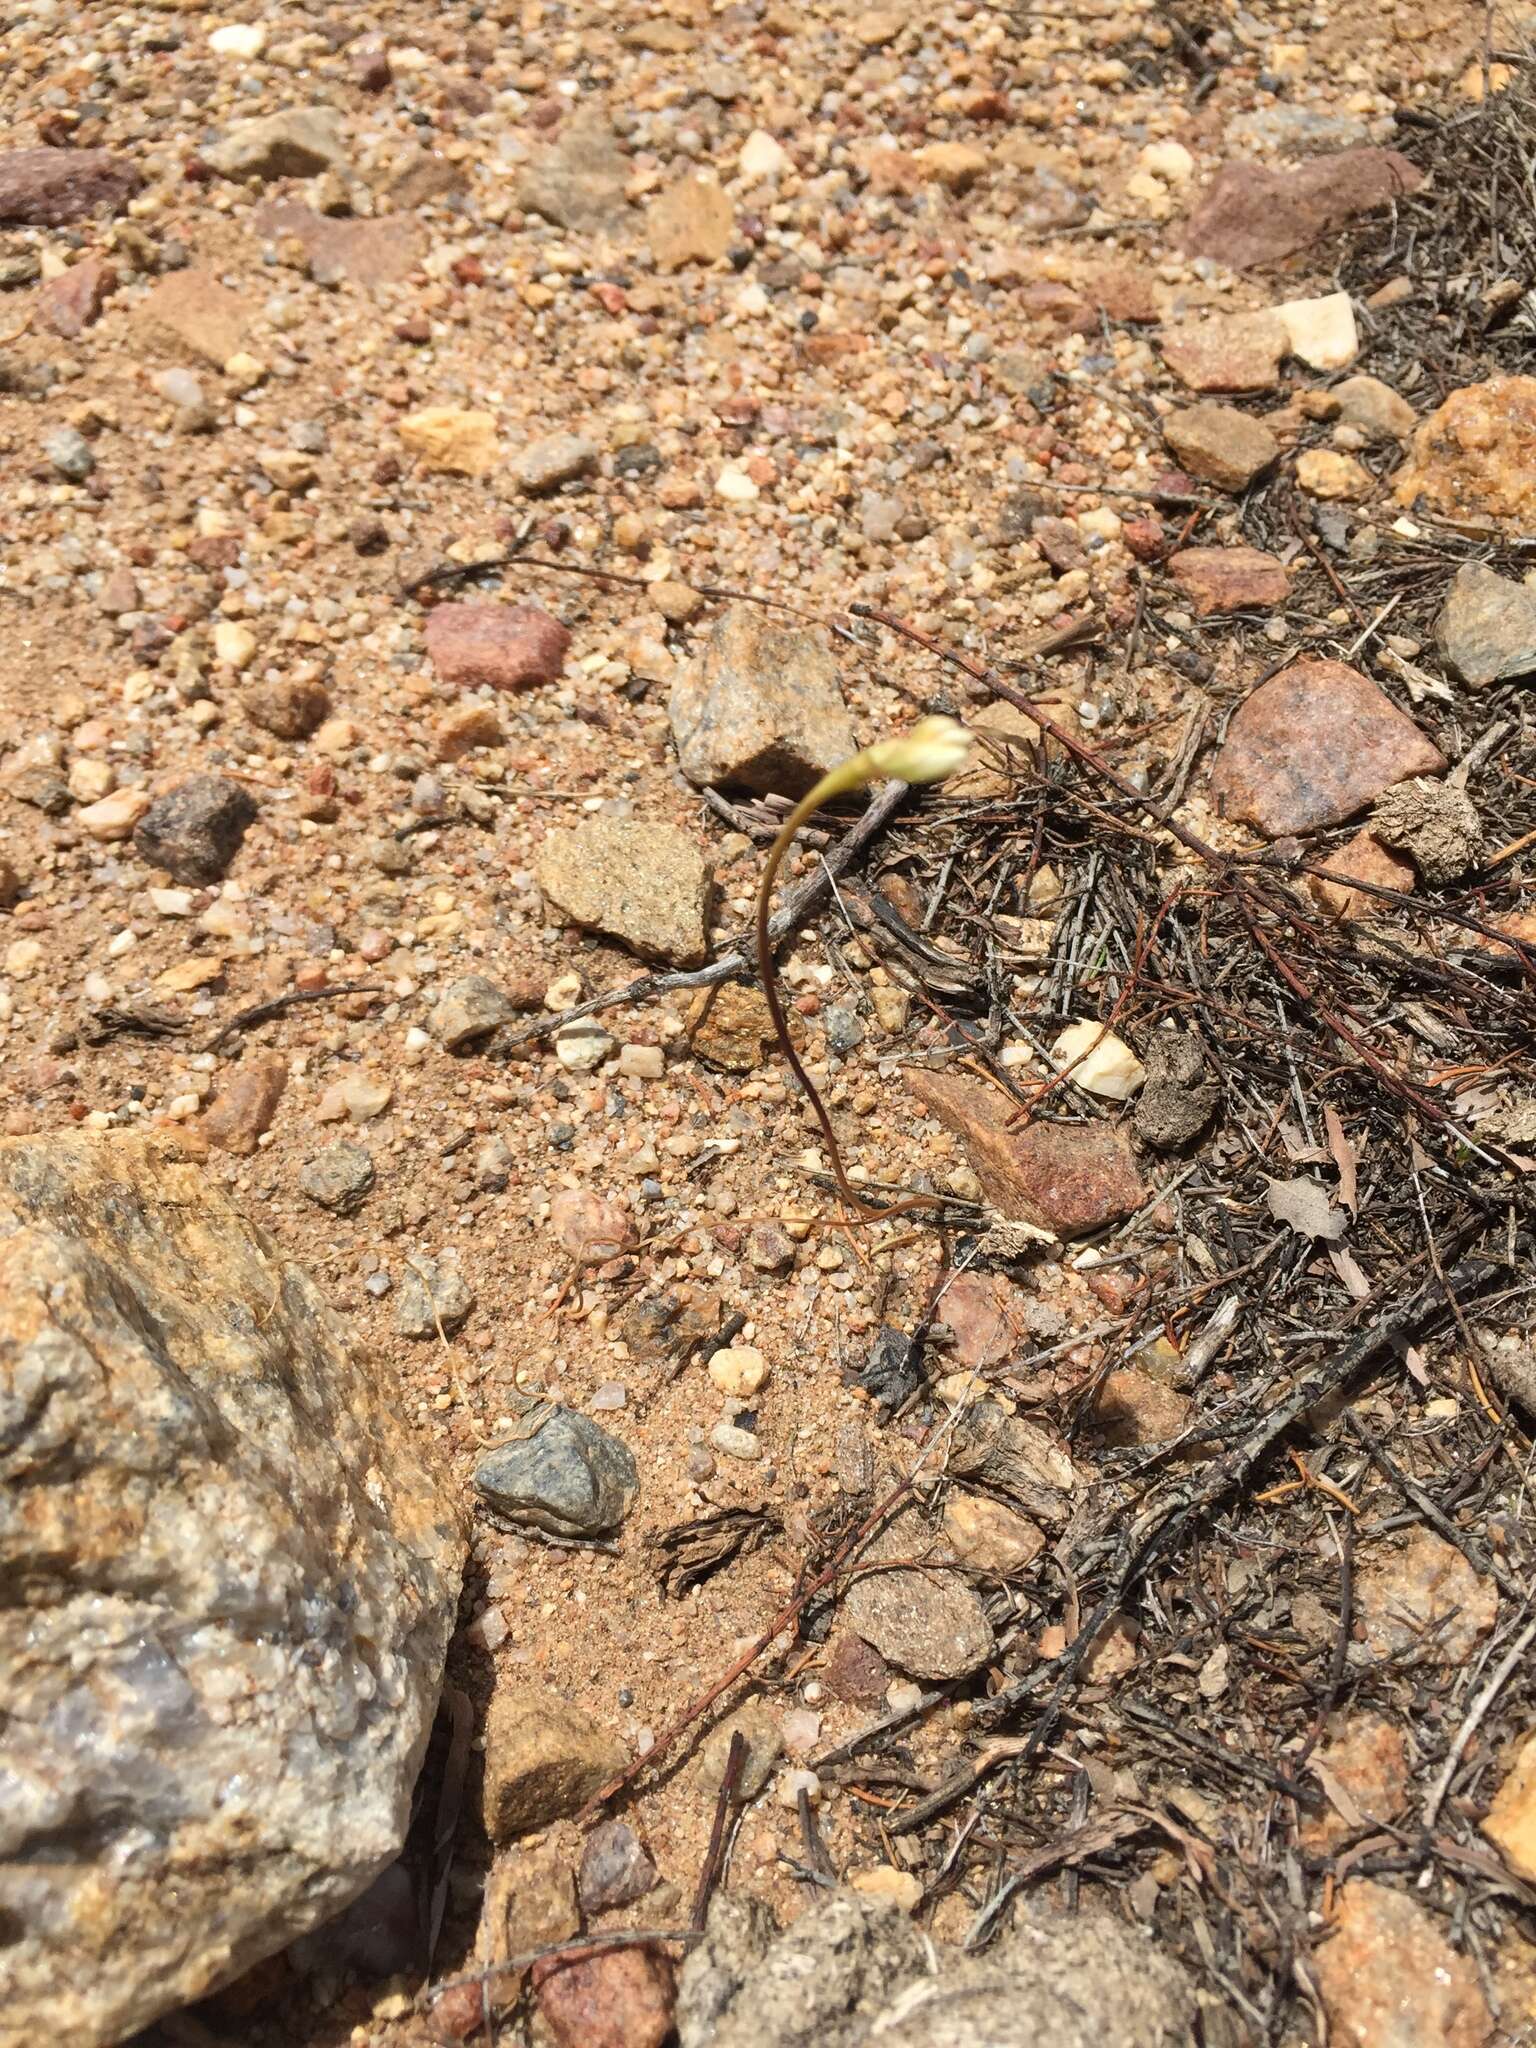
(1229, 579)
(761, 709)
(989, 1536)
(854, 1672)
(1436, 824)
(299, 142)
(368, 253)
(591, 1227)
(1178, 1102)
(1133, 1408)
(544, 1758)
(1510, 1823)
(1220, 445)
(930, 1623)
(1423, 1601)
(1252, 215)
(469, 1010)
(954, 165)
(1321, 332)
(194, 831)
(1066, 1178)
(1389, 1978)
(985, 1313)
(289, 707)
(1363, 1768)
(434, 1299)
(51, 188)
(192, 308)
(1338, 479)
(561, 1473)
(607, 1997)
(1474, 458)
(1360, 859)
(557, 459)
(1010, 1456)
(1312, 746)
(1487, 626)
(1241, 352)
(729, 1027)
(645, 884)
(73, 302)
(1375, 408)
(339, 1179)
(245, 1106)
(210, 1501)
(452, 440)
(501, 646)
(579, 183)
(615, 1868)
(691, 222)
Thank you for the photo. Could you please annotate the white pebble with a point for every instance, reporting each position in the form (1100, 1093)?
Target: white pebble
(792, 1783)
(642, 1062)
(735, 1443)
(739, 1370)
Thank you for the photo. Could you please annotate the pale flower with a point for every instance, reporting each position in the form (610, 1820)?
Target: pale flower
(930, 750)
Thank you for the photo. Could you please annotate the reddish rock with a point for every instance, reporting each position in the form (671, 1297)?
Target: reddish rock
(508, 647)
(1240, 353)
(1361, 859)
(49, 188)
(1474, 458)
(1363, 1768)
(985, 1312)
(192, 308)
(1133, 1408)
(73, 302)
(1121, 292)
(1422, 1600)
(1146, 538)
(1228, 579)
(1068, 1178)
(365, 252)
(1059, 304)
(591, 1227)
(1220, 445)
(1511, 1820)
(854, 1673)
(1252, 215)
(607, 1998)
(247, 1103)
(1390, 1979)
(1312, 746)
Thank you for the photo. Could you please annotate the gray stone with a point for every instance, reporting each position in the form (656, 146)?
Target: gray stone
(70, 453)
(562, 1473)
(853, 1972)
(762, 1746)
(339, 1179)
(194, 831)
(1179, 1099)
(579, 182)
(1375, 408)
(644, 884)
(762, 707)
(1487, 627)
(845, 1029)
(1435, 824)
(929, 1623)
(468, 1010)
(557, 459)
(435, 1299)
(615, 1868)
(230, 1586)
(297, 143)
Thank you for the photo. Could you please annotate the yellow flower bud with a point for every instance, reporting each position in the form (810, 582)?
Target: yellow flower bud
(934, 748)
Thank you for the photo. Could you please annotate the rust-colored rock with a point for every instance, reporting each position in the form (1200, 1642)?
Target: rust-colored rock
(49, 188)
(1252, 215)
(729, 1027)
(73, 302)
(1229, 579)
(985, 1311)
(365, 252)
(1390, 1979)
(245, 1106)
(1474, 458)
(1241, 352)
(1068, 1178)
(607, 1997)
(1363, 1768)
(854, 1672)
(1314, 745)
(1133, 1408)
(1361, 859)
(1220, 445)
(1511, 1821)
(508, 647)
(1422, 1600)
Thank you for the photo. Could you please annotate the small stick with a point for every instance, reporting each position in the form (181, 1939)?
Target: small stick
(730, 1777)
(262, 1013)
(1470, 1726)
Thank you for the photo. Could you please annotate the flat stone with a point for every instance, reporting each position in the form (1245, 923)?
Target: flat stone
(1240, 352)
(367, 253)
(758, 1726)
(1474, 458)
(245, 1106)
(1360, 859)
(1375, 408)
(729, 1027)
(498, 646)
(647, 885)
(607, 1997)
(299, 142)
(985, 1311)
(1252, 215)
(1338, 479)
(1510, 1823)
(469, 1009)
(434, 1298)
(1321, 332)
(194, 831)
(52, 188)
(854, 1672)
(564, 1474)
(1487, 626)
(1314, 745)
(1220, 445)
(691, 222)
(190, 308)
(339, 1179)
(1422, 1600)
(210, 1500)
(988, 1535)
(288, 707)
(1066, 1178)
(615, 1868)
(1133, 1408)
(69, 304)
(955, 165)
(1390, 1979)
(930, 1624)
(452, 440)
(761, 709)
(557, 459)
(1363, 1768)
(1229, 579)
(1018, 1459)
(544, 1758)
(579, 182)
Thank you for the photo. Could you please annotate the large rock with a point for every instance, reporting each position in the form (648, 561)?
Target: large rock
(1314, 745)
(646, 885)
(1220, 445)
(1511, 1820)
(194, 831)
(1239, 352)
(579, 182)
(230, 1582)
(762, 708)
(1067, 1178)
(299, 142)
(1487, 627)
(50, 188)
(852, 1972)
(364, 252)
(499, 646)
(561, 1473)
(1474, 458)
(544, 1759)
(1252, 215)
(928, 1622)
(1389, 1978)
(1229, 579)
